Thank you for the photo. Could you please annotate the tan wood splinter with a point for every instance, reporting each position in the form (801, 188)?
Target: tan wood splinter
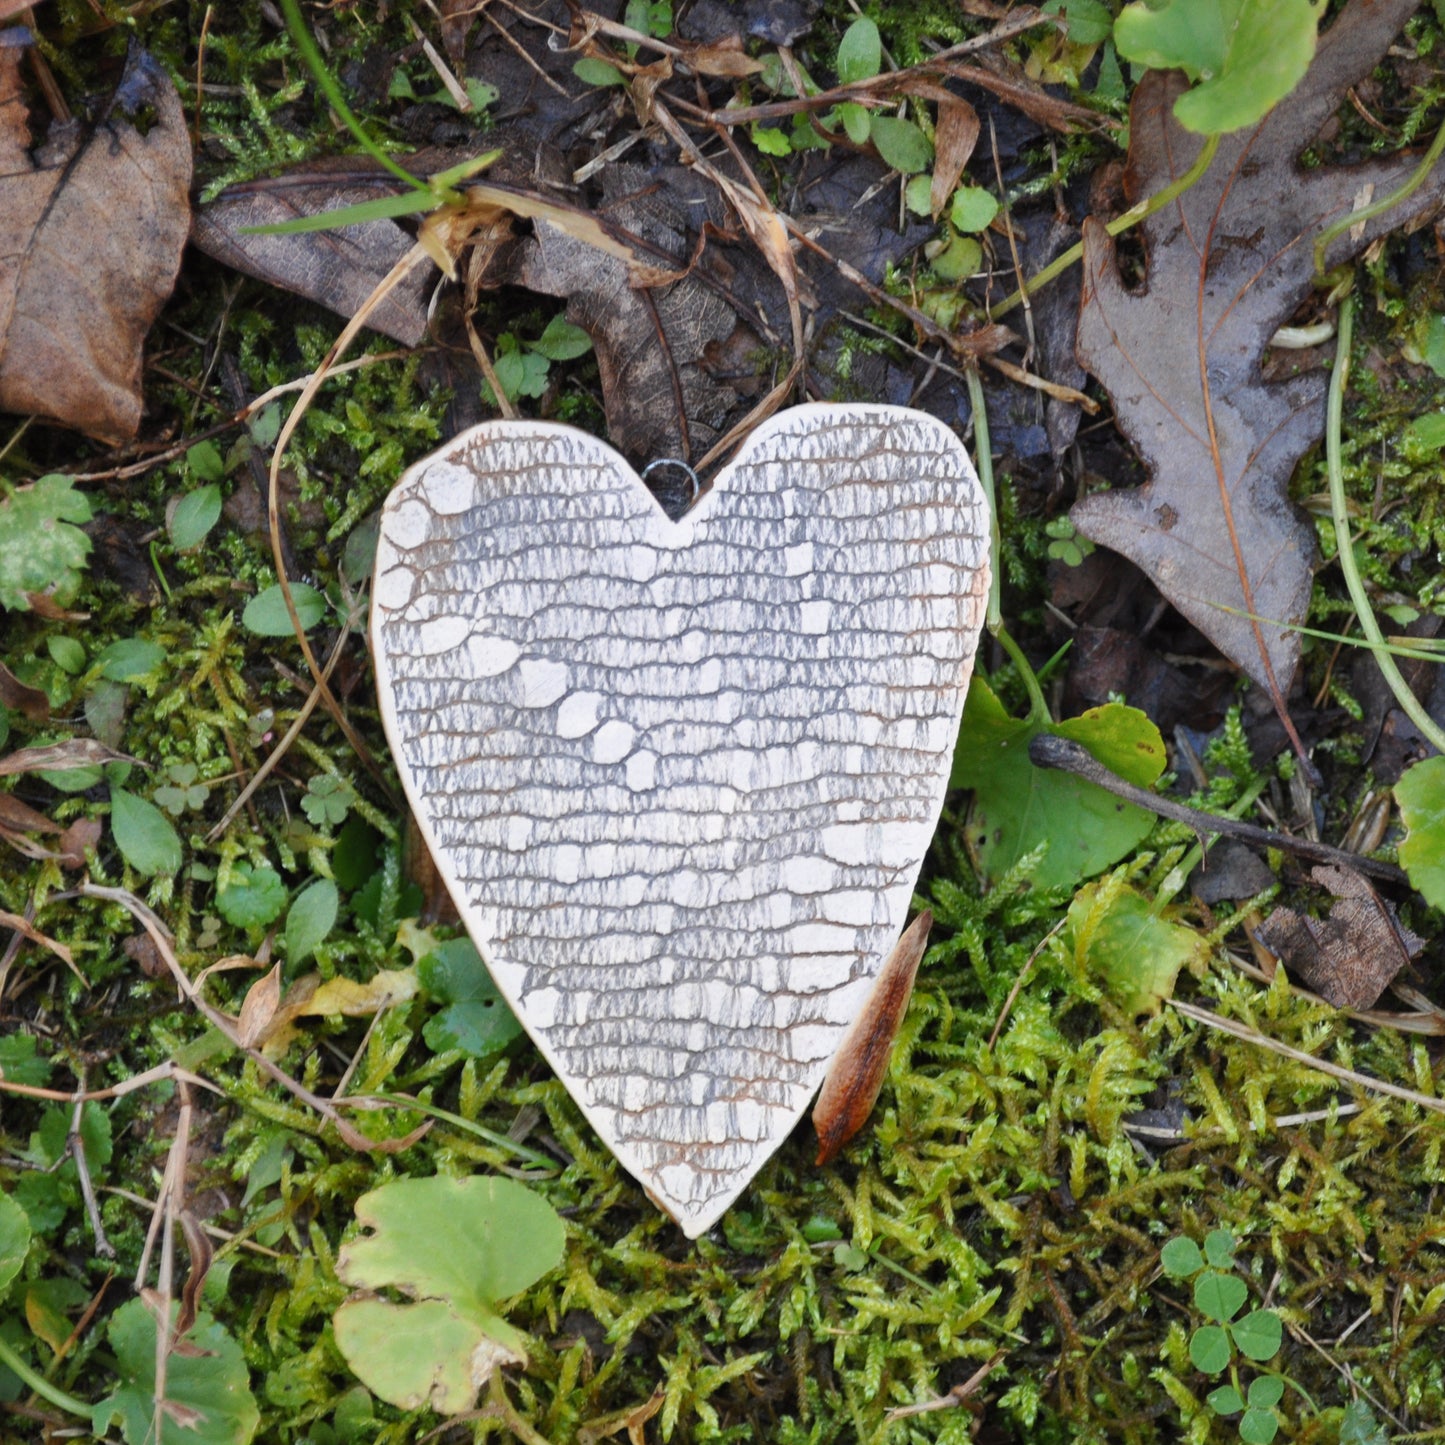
(855, 1078)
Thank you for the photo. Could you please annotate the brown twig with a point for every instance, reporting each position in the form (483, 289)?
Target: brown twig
(350, 1135)
(1048, 750)
(75, 1144)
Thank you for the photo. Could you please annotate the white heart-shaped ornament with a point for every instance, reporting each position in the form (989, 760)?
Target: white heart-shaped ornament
(680, 776)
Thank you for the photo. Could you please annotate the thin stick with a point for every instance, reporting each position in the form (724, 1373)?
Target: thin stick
(157, 931)
(1047, 750)
(75, 1143)
(274, 757)
(1321, 1066)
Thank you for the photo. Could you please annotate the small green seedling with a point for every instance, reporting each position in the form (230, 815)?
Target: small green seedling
(42, 549)
(1219, 1295)
(1243, 55)
(522, 366)
(1067, 544)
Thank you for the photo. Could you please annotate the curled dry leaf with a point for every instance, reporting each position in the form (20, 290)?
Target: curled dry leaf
(74, 753)
(861, 1063)
(93, 228)
(954, 138)
(259, 1008)
(30, 702)
(1228, 263)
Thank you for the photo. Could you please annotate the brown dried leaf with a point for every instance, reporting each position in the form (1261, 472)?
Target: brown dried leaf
(259, 1008)
(458, 17)
(660, 400)
(954, 138)
(30, 702)
(141, 949)
(18, 817)
(93, 228)
(1350, 956)
(1227, 264)
(73, 753)
(82, 835)
(856, 1074)
(337, 269)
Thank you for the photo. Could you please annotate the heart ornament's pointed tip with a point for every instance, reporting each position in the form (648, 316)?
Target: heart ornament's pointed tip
(680, 777)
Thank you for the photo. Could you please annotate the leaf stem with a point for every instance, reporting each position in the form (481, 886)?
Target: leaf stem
(1354, 584)
(983, 452)
(41, 1385)
(1365, 213)
(324, 78)
(1119, 225)
(983, 455)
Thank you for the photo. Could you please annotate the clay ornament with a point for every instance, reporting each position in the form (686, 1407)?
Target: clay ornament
(680, 777)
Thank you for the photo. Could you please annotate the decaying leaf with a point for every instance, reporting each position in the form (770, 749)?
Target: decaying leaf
(258, 1008)
(1228, 263)
(954, 138)
(93, 228)
(1350, 956)
(337, 269)
(30, 702)
(856, 1075)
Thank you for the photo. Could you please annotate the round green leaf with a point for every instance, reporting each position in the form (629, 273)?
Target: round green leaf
(973, 208)
(1209, 1349)
(771, 140)
(860, 52)
(1258, 1427)
(1219, 1248)
(1181, 1258)
(1220, 1296)
(129, 659)
(1117, 937)
(471, 1241)
(901, 144)
(204, 461)
(142, 833)
(312, 916)
(41, 550)
(427, 1353)
(252, 897)
(266, 614)
(194, 516)
(1266, 1391)
(1246, 54)
(857, 121)
(1226, 1400)
(1259, 1334)
(959, 260)
(918, 195)
(1421, 796)
(14, 1240)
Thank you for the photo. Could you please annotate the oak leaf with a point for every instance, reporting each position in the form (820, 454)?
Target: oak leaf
(1228, 263)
